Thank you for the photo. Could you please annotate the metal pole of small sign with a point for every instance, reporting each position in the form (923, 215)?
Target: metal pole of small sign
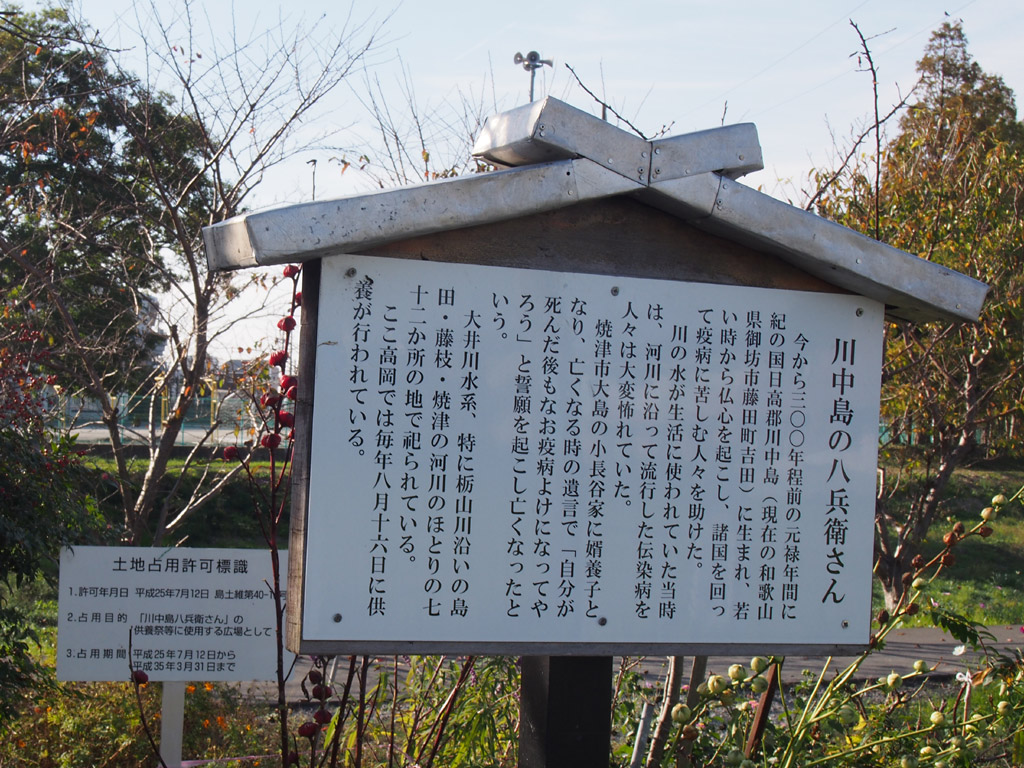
(172, 723)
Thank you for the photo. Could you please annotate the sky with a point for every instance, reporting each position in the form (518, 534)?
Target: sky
(791, 68)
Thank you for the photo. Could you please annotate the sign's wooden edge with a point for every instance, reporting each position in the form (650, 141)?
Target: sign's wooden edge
(415, 647)
(301, 456)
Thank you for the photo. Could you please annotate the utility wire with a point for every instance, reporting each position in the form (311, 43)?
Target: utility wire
(782, 58)
(829, 81)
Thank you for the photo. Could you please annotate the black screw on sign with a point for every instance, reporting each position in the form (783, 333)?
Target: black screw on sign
(565, 712)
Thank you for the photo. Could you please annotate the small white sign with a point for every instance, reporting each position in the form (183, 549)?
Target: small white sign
(518, 456)
(192, 614)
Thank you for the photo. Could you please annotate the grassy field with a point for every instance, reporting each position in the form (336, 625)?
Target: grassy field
(987, 582)
(225, 521)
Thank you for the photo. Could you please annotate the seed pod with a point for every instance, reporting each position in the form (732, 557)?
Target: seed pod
(717, 684)
(681, 713)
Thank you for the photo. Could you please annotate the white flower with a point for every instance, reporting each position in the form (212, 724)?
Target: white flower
(959, 650)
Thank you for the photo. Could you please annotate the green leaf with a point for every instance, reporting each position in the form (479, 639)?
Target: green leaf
(960, 627)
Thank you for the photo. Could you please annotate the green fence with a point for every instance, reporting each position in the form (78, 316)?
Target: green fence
(223, 412)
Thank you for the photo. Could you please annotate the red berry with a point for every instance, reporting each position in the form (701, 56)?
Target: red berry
(139, 677)
(271, 441)
(309, 730)
(291, 393)
(278, 358)
(230, 453)
(291, 270)
(286, 323)
(270, 399)
(297, 300)
(322, 716)
(315, 676)
(287, 382)
(286, 419)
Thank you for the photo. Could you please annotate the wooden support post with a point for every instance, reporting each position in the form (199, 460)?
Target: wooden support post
(763, 709)
(565, 712)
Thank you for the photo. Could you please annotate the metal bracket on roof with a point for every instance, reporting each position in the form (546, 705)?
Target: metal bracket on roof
(549, 130)
(732, 151)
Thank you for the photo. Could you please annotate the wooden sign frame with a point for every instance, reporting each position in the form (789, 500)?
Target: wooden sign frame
(588, 238)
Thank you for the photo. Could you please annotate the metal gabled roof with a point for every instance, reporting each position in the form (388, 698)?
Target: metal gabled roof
(557, 156)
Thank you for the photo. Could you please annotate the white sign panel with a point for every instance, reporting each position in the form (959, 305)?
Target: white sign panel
(519, 456)
(193, 614)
